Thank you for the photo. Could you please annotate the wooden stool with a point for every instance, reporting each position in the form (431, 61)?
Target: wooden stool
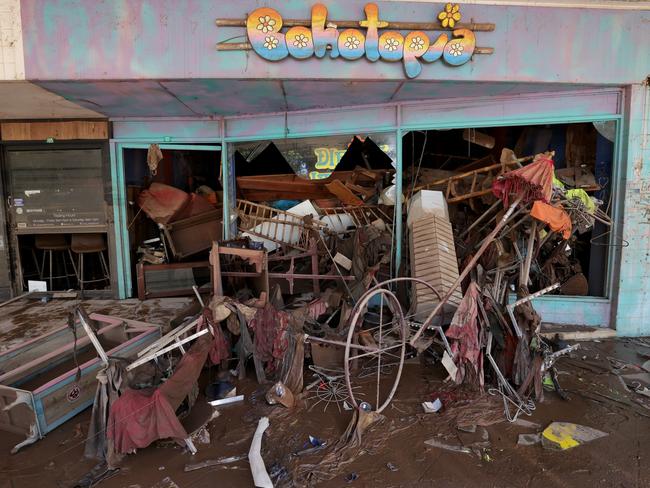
(83, 244)
(51, 244)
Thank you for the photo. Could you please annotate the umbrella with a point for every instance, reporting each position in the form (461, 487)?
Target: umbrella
(532, 182)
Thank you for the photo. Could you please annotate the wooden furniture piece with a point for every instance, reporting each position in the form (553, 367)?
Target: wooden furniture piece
(40, 384)
(193, 234)
(469, 185)
(293, 187)
(144, 289)
(258, 259)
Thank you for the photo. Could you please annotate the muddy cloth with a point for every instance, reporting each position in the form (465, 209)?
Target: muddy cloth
(110, 382)
(556, 218)
(269, 327)
(465, 334)
(140, 417)
(162, 203)
(532, 182)
(186, 373)
(220, 347)
(293, 363)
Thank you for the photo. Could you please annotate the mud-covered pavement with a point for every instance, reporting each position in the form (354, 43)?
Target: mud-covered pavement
(393, 452)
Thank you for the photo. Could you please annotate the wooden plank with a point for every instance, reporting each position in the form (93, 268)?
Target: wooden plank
(343, 193)
(62, 131)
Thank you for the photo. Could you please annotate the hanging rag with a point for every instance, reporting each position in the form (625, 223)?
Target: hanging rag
(110, 383)
(269, 327)
(555, 217)
(154, 156)
(465, 334)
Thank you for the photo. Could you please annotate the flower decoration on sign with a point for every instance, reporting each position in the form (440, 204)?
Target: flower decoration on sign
(300, 41)
(352, 42)
(417, 43)
(456, 49)
(266, 24)
(391, 44)
(450, 15)
(270, 42)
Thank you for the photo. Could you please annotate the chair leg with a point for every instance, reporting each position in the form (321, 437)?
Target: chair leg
(107, 273)
(51, 273)
(74, 267)
(38, 269)
(81, 272)
(43, 266)
(65, 271)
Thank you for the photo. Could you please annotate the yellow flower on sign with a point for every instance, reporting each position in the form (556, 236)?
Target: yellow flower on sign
(450, 15)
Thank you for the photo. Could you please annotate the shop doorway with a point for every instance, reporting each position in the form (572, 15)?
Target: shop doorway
(171, 204)
(56, 211)
(584, 157)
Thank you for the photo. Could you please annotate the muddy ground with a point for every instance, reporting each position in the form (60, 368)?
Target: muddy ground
(392, 453)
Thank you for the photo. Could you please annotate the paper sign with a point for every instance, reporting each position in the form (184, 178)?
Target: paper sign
(36, 285)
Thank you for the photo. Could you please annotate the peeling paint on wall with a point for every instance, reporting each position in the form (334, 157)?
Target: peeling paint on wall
(633, 303)
(12, 62)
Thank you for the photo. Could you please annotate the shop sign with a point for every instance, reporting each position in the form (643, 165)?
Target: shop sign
(406, 42)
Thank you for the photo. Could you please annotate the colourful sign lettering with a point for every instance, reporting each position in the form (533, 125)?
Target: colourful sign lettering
(264, 27)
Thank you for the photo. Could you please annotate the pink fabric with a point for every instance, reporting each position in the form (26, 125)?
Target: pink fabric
(163, 203)
(139, 417)
(532, 182)
(465, 336)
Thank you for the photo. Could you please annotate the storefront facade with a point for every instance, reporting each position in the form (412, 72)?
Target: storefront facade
(153, 69)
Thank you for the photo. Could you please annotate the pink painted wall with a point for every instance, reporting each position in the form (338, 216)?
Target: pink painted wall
(162, 39)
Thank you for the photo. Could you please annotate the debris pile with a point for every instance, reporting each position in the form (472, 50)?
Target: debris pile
(309, 298)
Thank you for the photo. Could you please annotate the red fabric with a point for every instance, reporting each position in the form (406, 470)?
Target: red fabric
(532, 182)
(162, 203)
(187, 371)
(269, 326)
(139, 417)
(465, 336)
(219, 345)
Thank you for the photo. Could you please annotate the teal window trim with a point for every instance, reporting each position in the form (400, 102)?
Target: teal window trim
(399, 129)
(122, 252)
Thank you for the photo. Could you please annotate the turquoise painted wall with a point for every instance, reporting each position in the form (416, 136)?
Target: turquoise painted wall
(165, 39)
(632, 305)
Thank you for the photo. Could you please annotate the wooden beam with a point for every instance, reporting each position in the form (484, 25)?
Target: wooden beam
(352, 24)
(246, 46)
(62, 131)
